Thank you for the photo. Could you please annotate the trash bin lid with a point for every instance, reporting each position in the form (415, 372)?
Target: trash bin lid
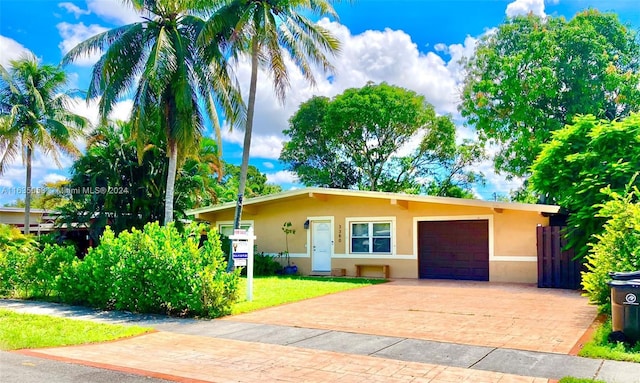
(624, 275)
(620, 283)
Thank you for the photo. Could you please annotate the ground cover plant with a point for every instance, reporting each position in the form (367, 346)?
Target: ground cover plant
(273, 291)
(570, 379)
(19, 331)
(600, 347)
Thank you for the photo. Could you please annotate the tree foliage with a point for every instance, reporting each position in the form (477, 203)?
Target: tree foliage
(256, 184)
(34, 115)
(268, 32)
(579, 162)
(114, 184)
(175, 81)
(534, 75)
(617, 247)
(356, 140)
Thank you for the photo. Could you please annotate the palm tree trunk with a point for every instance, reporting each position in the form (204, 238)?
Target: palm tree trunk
(27, 195)
(247, 132)
(171, 181)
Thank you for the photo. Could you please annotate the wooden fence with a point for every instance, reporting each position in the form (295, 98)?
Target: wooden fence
(556, 267)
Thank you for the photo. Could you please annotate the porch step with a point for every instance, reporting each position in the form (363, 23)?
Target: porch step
(320, 274)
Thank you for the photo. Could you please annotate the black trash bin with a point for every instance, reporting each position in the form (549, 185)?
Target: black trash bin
(625, 308)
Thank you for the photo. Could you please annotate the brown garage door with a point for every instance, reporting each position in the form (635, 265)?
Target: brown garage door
(454, 250)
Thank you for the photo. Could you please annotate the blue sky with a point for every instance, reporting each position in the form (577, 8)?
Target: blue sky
(411, 43)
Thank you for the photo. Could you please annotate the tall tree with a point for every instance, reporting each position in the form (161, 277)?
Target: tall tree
(34, 115)
(172, 76)
(363, 139)
(576, 166)
(200, 175)
(311, 151)
(534, 75)
(265, 30)
(113, 184)
(256, 184)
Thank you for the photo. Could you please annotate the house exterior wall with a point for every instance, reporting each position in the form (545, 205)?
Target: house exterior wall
(38, 221)
(17, 218)
(512, 233)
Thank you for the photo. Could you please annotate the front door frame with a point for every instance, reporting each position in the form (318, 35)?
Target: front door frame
(310, 238)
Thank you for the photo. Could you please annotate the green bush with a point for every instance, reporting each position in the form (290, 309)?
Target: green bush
(40, 273)
(25, 270)
(264, 265)
(156, 270)
(617, 248)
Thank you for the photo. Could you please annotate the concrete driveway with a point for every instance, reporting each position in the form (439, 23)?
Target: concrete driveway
(475, 313)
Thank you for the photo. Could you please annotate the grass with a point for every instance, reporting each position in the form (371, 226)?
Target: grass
(569, 379)
(600, 348)
(273, 291)
(18, 331)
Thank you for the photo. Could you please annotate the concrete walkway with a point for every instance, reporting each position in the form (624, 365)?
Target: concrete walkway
(237, 351)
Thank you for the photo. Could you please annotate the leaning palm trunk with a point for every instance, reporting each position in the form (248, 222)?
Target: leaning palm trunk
(27, 195)
(247, 133)
(171, 181)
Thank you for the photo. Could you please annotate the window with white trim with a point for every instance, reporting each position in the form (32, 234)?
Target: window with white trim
(371, 237)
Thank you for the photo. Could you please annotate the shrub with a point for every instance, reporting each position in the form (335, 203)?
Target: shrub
(40, 273)
(13, 247)
(617, 248)
(264, 265)
(27, 271)
(156, 270)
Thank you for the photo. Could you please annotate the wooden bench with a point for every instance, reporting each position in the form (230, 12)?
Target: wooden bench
(385, 269)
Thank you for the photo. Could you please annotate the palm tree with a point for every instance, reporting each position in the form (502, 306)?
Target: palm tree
(34, 115)
(266, 29)
(171, 74)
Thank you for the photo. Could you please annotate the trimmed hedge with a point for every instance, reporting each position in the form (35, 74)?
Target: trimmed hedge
(155, 270)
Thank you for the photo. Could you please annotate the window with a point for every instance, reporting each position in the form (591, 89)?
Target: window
(371, 237)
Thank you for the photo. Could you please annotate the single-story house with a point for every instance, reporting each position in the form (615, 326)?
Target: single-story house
(407, 236)
(40, 221)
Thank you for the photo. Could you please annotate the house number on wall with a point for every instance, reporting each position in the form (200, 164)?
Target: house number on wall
(339, 233)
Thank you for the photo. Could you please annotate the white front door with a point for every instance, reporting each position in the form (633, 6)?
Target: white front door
(321, 246)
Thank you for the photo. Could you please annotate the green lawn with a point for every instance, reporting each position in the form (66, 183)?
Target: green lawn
(18, 331)
(600, 348)
(578, 380)
(273, 291)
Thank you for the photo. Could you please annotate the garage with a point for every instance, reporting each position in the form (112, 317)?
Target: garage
(454, 249)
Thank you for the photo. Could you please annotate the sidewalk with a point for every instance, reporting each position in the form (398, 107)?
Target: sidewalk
(228, 350)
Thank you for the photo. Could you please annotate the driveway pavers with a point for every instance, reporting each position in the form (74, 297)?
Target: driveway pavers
(194, 358)
(474, 313)
(382, 333)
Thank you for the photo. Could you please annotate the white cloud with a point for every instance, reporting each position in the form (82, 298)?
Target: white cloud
(121, 110)
(268, 165)
(74, 34)
(53, 177)
(72, 8)
(379, 56)
(11, 50)
(262, 145)
(5, 183)
(114, 11)
(282, 177)
(524, 7)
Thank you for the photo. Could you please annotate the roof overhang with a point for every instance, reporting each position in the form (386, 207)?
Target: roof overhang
(399, 199)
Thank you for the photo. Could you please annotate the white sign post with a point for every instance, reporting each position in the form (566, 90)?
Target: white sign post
(242, 254)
